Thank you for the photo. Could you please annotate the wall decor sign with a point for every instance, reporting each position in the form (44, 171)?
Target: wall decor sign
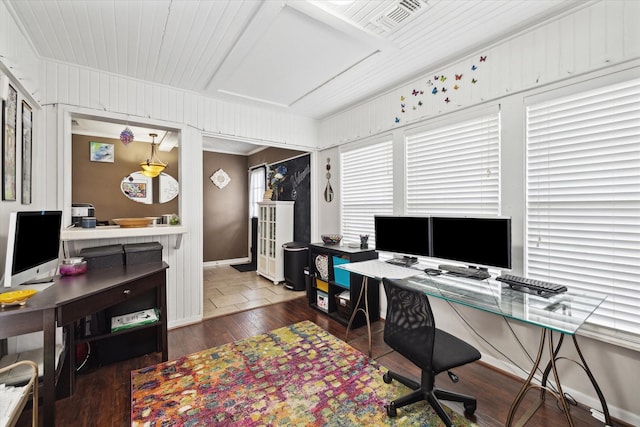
(27, 126)
(9, 117)
(101, 152)
(220, 178)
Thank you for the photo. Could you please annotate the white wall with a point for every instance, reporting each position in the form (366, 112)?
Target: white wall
(590, 44)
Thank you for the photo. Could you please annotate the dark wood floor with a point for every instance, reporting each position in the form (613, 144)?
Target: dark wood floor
(102, 397)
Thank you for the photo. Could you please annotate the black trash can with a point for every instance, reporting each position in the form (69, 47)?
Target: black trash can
(296, 258)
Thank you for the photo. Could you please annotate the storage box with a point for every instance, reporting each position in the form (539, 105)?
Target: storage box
(322, 301)
(103, 256)
(342, 277)
(322, 285)
(343, 304)
(142, 253)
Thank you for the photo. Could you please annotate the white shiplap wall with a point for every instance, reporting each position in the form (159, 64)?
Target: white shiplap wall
(70, 89)
(594, 37)
(101, 91)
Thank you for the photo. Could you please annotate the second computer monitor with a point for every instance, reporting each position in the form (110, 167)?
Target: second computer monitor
(484, 242)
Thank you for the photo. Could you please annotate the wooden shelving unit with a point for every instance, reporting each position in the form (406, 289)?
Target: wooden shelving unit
(353, 282)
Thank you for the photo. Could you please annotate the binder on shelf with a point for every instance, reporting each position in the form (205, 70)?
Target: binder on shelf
(132, 320)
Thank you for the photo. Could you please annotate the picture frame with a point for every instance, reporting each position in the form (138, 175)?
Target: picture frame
(9, 122)
(138, 189)
(101, 152)
(27, 156)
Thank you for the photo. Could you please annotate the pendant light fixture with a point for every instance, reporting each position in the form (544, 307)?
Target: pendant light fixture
(153, 165)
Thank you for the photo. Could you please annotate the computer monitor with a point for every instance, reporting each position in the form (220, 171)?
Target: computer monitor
(33, 246)
(475, 241)
(402, 235)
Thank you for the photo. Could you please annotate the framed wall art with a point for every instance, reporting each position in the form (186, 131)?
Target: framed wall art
(101, 152)
(27, 126)
(9, 117)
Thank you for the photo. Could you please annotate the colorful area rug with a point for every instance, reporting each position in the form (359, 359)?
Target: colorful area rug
(299, 375)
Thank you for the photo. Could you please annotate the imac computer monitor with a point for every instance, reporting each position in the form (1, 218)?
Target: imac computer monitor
(477, 242)
(402, 235)
(33, 246)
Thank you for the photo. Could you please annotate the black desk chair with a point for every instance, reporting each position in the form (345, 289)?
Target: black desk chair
(411, 331)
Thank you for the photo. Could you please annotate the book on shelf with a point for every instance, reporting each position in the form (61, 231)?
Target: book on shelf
(132, 320)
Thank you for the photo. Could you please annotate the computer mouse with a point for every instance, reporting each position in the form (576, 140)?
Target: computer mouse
(432, 271)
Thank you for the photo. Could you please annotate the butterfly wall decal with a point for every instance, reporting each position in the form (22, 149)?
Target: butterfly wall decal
(420, 103)
(458, 76)
(444, 89)
(483, 58)
(429, 83)
(397, 120)
(473, 68)
(414, 92)
(456, 87)
(435, 90)
(436, 78)
(443, 78)
(474, 81)
(402, 98)
(446, 100)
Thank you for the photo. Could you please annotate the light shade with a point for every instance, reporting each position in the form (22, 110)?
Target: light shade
(151, 169)
(153, 166)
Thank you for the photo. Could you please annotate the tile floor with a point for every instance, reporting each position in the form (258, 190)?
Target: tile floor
(227, 291)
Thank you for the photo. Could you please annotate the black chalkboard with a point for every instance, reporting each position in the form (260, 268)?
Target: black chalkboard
(297, 187)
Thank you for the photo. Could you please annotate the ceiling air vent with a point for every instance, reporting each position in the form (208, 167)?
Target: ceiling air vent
(400, 12)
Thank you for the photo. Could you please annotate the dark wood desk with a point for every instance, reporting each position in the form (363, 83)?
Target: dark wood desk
(70, 299)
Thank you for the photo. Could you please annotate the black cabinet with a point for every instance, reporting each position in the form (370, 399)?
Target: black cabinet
(327, 283)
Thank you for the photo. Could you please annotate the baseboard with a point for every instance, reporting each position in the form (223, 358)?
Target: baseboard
(210, 264)
(184, 322)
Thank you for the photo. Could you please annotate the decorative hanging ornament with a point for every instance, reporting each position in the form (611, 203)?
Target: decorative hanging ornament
(126, 136)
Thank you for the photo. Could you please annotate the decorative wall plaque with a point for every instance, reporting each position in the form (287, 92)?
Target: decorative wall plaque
(220, 178)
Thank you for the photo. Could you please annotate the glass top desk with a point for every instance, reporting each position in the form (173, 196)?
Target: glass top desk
(563, 313)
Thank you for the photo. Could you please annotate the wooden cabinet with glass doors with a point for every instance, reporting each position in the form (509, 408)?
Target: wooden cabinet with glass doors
(275, 228)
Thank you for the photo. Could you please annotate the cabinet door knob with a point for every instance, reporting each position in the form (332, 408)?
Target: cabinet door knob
(127, 292)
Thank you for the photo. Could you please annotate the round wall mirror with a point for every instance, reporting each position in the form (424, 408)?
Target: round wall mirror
(143, 189)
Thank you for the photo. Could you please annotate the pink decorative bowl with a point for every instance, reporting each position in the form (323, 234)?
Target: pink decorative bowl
(73, 268)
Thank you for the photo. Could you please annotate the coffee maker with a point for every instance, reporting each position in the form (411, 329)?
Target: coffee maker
(79, 211)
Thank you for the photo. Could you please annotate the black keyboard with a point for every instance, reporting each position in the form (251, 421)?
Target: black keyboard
(472, 273)
(535, 286)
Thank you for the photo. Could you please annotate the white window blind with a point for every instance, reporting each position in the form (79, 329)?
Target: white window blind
(583, 198)
(455, 168)
(257, 187)
(367, 189)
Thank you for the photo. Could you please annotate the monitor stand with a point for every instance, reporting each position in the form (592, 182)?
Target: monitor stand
(39, 281)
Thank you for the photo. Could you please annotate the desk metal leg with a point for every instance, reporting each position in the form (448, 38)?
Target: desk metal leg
(585, 367)
(528, 385)
(364, 292)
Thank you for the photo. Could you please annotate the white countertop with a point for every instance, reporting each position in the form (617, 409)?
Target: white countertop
(115, 231)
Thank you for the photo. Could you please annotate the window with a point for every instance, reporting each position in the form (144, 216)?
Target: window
(366, 189)
(257, 187)
(583, 198)
(455, 169)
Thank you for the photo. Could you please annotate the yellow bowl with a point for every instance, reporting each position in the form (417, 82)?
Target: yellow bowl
(132, 222)
(16, 297)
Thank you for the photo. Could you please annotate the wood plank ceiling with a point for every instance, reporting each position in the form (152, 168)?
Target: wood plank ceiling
(312, 58)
